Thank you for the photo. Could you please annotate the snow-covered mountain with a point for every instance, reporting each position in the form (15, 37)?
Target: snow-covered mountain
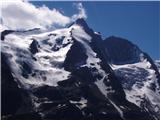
(137, 72)
(67, 74)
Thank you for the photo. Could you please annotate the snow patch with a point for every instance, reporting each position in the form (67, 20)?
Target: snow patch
(142, 86)
(81, 103)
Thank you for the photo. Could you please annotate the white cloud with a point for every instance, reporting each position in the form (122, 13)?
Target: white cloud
(82, 12)
(24, 15)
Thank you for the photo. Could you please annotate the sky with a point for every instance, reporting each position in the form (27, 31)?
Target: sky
(138, 22)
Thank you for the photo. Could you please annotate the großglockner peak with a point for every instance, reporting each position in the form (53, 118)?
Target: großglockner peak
(66, 74)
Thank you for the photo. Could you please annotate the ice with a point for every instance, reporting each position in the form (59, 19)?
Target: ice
(47, 68)
(142, 88)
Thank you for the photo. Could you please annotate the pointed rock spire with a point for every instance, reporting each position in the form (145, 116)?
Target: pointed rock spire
(81, 22)
(34, 47)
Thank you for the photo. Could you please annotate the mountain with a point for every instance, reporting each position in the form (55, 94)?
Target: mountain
(66, 74)
(122, 51)
(137, 72)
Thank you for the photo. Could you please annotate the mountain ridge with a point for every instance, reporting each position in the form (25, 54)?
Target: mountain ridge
(66, 74)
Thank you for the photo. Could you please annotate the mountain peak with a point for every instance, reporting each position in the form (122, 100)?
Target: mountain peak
(122, 51)
(80, 21)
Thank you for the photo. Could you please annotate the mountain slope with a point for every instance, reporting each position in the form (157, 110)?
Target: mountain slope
(65, 75)
(139, 77)
(121, 51)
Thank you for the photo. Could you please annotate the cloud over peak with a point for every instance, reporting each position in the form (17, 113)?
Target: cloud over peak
(82, 12)
(24, 15)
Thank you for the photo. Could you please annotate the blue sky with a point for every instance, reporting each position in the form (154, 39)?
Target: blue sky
(135, 21)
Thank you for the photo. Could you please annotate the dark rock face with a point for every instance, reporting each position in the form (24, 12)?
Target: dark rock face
(79, 58)
(27, 116)
(121, 51)
(34, 47)
(66, 101)
(26, 69)
(61, 106)
(82, 23)
(16, 104)
(5, 32)
(11, 95)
